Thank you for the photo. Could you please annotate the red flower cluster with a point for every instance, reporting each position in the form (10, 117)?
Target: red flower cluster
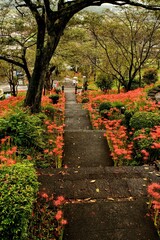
(117, 137)
(8, 104)
(7, 153)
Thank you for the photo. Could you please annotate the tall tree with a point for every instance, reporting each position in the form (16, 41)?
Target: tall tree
(128, 39)
(51, 18)
(18, 34)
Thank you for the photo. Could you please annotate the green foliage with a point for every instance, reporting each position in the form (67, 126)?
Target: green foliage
(104, 113)
(3, 127)
(128, 115)
(57, 90)
(118, 105)
(24, 129)
(104, 81)
(44, 225)
(144, 120)
(18, 188)
(54, 98)
(105, 106)
(85, 100)
(49, 111)
(136, 84)
(150, 76)
(143, 144)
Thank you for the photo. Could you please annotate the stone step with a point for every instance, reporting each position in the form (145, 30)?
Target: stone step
(108, 183)
(103, 203)
(72, 105)
(123, 220)
(86, 149)
(77, 119)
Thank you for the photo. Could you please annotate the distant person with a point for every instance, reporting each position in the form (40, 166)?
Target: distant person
(85, 83)
(75, 81)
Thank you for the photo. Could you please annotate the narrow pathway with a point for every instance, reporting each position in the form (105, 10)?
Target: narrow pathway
(83, 147)
(103, 202)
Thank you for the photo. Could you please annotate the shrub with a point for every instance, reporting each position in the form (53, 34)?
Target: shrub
(128, 115)
(57, 90)
(136, 84)
(85, 100)
(142, 143)
(104, 81)
(150, 76)
(146, 145)
(118, 105)
(48, 219)
(26, 132)
(144, 120)
(49, 111)
(104, 113)
(105, 106)
(54, 98)
(18, 188)
(115, 114)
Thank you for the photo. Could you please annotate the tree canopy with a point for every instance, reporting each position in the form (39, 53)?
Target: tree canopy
(50, 18)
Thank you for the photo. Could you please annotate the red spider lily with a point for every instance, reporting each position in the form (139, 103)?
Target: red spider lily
(8, 104)
(59, 215)
(156, 205)
(44, 195)
(60, 200)
(154, 190)
(64, 222)
(46, 151)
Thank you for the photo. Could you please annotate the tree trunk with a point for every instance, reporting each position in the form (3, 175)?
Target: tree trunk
(50, 29)
(35, 87)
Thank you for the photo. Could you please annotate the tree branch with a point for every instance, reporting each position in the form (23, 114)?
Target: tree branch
(33, 8)
(9, 60)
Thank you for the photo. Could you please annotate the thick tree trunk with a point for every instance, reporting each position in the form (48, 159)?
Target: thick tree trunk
(50, 30)
(35, 87)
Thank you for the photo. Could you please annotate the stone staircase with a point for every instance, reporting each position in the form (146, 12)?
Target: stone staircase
(103, 202)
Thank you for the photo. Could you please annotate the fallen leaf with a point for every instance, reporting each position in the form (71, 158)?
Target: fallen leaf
(146, 168)
(130, 198)
(145, 179)
(92, 181)
(87, 199)
(97, 190)
(111, 199)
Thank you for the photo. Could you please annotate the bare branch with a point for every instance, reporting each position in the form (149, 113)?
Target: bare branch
(10, 60)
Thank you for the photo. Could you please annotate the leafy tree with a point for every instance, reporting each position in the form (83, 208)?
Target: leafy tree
(104, 81)
(51, 18)
(18, 35)
(128, 40)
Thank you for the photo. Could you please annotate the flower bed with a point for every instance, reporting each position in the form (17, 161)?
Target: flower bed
(154, 204)
(31, 140)
(132, 124)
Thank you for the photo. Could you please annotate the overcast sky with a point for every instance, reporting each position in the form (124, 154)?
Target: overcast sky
(102, 7)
